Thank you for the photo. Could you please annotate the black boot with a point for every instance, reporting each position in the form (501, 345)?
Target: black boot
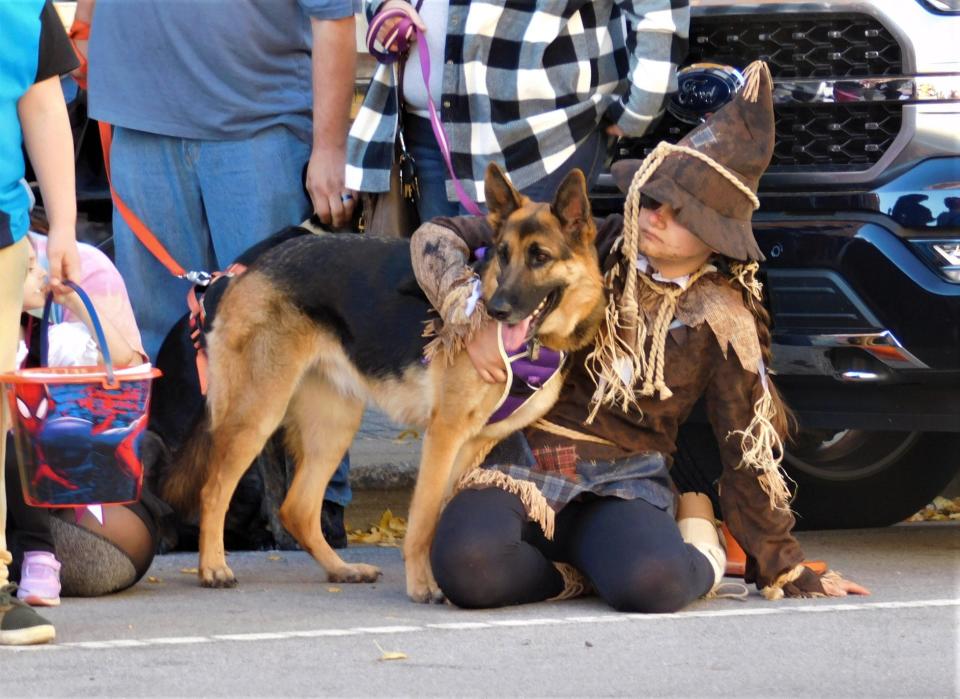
(331, 523)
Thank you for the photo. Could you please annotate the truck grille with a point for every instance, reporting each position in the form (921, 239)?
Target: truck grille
(821, 136)
(820, 46)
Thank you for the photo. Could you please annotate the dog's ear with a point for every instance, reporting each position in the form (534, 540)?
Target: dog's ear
(572, 207)
(502, 198)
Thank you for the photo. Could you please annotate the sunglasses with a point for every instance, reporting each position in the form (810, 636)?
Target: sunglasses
(649, 203)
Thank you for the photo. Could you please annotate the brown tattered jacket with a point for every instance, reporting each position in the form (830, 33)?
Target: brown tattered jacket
(696, 365)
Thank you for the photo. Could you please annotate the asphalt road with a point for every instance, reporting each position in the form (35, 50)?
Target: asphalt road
(284, 631)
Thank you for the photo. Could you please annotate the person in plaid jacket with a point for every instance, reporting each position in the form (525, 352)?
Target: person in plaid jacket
(538, 88)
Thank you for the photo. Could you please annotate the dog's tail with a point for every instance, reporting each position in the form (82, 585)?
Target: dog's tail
(189, 470)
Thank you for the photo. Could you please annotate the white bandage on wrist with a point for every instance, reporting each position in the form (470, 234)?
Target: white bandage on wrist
(474, 297)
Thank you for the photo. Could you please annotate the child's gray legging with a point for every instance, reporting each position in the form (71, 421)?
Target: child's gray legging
(487, 554)
(95, 559)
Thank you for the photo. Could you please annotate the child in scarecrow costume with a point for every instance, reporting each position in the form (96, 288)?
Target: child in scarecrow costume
(583, 498)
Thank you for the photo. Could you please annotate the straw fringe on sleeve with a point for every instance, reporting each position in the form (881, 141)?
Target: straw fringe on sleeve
(439, 258)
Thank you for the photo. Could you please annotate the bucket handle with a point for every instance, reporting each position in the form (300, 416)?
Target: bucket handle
(97, 329)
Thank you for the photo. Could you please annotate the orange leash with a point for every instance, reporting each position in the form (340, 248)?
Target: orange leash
(139, 228)
(156, 248)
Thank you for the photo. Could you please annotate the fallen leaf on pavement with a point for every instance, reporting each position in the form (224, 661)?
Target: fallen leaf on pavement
(390, 654)
(273, 557)
(389, 531)
(334, 589)
(406, 434)
(189, 571)
(153, 579)
(940, 510)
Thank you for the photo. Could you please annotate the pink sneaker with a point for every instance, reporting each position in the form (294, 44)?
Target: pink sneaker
(40, 579)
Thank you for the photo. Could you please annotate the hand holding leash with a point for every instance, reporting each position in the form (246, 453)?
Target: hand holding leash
(393, 30)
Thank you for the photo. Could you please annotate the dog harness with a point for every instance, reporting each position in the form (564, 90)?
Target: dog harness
(528, 370)
(198, 318)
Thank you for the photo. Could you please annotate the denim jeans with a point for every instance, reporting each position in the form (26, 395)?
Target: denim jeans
(207, 201)
(432, 170)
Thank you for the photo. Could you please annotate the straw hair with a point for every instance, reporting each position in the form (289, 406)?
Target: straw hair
(618, 361)
(751, 88)
(761, 443)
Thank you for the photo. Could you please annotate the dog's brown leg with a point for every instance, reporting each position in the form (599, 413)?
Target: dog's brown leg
(321, 424)
(432, 492)
(236, 441)
(461, 405)
(441, 443)
(255, 366)
(471, 455)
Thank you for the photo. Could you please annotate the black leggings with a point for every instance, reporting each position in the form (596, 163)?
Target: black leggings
(487, 554)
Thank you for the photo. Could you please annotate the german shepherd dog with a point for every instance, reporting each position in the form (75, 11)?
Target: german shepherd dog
(321, 325)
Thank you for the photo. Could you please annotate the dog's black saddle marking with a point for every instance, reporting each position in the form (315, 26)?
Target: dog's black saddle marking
(360, 287)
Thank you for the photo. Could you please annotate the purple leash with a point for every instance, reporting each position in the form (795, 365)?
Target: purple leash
(403, 34)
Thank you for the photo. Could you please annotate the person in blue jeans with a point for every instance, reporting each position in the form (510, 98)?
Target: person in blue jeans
(540, 88)
(216, 107)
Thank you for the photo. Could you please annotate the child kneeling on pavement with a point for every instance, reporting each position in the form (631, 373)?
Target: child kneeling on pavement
(684, 320)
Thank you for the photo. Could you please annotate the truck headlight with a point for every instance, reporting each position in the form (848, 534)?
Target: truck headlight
(943, 254)
(950, 6)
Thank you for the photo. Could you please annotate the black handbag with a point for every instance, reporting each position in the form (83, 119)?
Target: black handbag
(394, 212)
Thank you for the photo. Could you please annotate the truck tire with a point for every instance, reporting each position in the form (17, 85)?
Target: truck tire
(854, 478)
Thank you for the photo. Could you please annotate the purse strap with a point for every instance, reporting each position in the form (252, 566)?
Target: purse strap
(403, 34)
(95, 321)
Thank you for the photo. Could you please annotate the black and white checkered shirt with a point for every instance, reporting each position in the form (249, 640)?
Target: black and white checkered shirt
(527, 81)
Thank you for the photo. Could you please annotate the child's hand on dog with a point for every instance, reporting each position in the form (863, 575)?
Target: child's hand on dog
(484, 351)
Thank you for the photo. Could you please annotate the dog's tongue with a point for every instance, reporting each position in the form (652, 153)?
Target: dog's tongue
(515, 335)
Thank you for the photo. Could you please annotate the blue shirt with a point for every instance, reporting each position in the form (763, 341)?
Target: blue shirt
(217, 69)
(34, 48)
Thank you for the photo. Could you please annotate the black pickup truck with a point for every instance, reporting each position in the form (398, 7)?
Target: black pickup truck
(860, 225)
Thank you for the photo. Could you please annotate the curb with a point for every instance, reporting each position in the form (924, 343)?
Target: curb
(398, 475)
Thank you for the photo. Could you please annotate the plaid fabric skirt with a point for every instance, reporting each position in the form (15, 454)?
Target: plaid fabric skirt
(561, 477)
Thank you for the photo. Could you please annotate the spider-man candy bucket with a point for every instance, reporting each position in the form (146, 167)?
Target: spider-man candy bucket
(77, 429)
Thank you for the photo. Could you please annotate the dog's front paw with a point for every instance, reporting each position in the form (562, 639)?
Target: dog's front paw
(220, 576)
(354, 573)
(425, 594)
(421, 587)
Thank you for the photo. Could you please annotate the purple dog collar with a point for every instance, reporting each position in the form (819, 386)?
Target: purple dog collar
(528, 370)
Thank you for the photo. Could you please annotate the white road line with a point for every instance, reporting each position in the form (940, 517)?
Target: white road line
(386, 629)
(177, 640)
(784, 609)
(460, 625)
(261, 636)
(525, 622)
(119, 643)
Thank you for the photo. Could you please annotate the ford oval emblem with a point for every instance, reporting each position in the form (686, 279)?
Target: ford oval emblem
(702, 89)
